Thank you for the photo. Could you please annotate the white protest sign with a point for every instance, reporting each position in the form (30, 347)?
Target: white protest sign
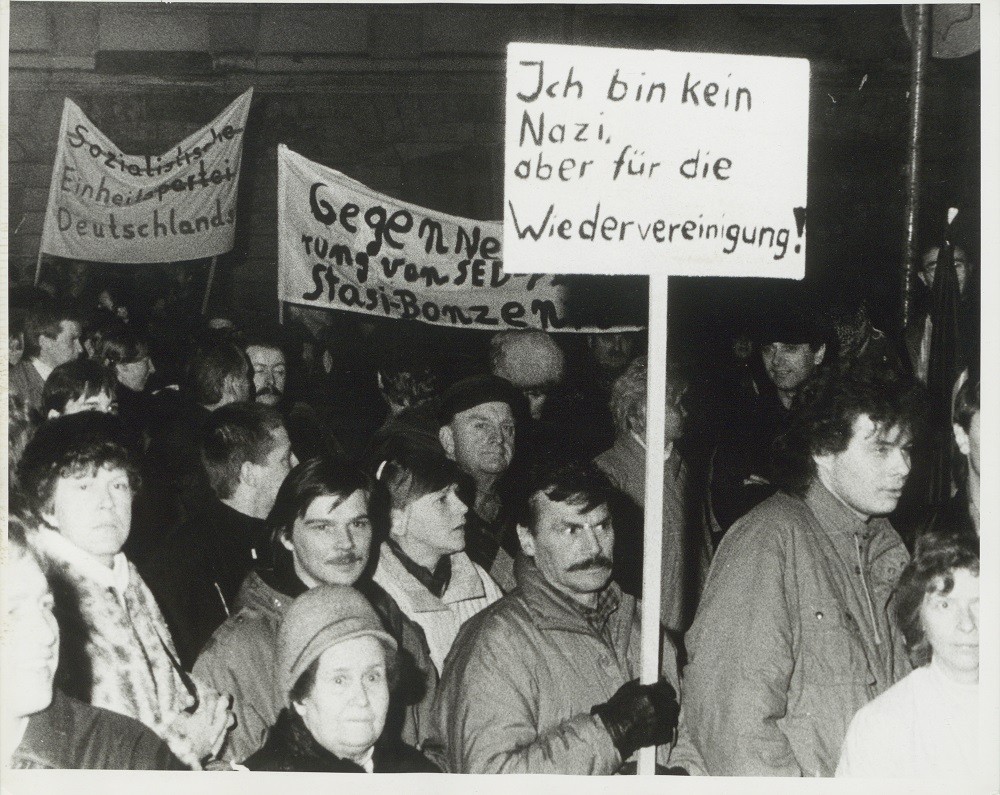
(107, 206)
(627, 161)
(344, 246)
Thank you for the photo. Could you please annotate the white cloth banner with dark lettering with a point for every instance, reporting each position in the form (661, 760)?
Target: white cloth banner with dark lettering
(344, 246)
(107, 206)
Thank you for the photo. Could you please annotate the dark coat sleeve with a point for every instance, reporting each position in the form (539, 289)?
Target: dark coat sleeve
(73, 735)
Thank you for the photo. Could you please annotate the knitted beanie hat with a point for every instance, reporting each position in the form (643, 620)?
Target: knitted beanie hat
(320, 618)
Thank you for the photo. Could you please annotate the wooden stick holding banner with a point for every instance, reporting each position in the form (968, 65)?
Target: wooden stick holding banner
(38, 268)
(208, 285)
(652, 546)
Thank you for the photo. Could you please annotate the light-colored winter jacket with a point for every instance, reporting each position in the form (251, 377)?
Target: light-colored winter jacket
(792, 637)
(523, 675)
(469, 591)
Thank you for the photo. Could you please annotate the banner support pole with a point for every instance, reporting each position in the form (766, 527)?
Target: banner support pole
(652, 547)
(38, 268)
(919, 54)
(208, 285)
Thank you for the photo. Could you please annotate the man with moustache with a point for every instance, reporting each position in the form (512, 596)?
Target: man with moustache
(544, 680)
(794, 632)
(269, 369)
(321, 534)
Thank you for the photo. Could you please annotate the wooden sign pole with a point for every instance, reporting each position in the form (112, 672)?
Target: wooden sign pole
(208, 285)
(656, 390)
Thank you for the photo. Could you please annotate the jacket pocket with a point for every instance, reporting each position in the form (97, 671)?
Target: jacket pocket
(832, 652)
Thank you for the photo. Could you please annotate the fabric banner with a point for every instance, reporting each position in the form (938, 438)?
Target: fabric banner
(344, 246)
(107, 206)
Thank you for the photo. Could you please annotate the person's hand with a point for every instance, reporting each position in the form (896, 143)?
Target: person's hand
(201, 733)
(640, 715)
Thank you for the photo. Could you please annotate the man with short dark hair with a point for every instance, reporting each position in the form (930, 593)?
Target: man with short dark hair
(920, 328)
(217, 374)
(544, 680)
(612, 352)
(246, 453)
(79, 385)
(51, 337)
(197, 571)
(794, 632)
(792, 344)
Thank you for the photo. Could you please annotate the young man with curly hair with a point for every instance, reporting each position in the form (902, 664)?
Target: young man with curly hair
(794, 632)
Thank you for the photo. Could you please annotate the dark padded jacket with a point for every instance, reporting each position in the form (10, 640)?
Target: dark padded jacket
(291, 748)
(72, 735)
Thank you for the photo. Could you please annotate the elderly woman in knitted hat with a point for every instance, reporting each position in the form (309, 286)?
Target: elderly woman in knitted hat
(336, 665)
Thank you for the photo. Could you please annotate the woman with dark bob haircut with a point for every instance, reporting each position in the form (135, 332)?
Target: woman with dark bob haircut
(422, 563)
(926, 725)
(116, 652)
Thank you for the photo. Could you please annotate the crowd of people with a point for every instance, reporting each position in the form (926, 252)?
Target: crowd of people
(229, 550)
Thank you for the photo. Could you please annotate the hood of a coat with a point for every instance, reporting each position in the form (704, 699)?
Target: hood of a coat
(257, 596)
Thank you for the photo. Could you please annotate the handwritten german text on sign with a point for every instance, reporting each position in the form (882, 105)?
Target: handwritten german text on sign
(625, 161)
(108, 206)
(344, 246)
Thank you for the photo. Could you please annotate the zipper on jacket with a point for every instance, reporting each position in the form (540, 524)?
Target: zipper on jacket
(868, 596)
(222, 598)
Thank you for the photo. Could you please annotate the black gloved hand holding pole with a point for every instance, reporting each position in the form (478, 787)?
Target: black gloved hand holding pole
(640, 715)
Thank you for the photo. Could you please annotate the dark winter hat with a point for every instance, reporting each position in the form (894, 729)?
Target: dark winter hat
(320, 618)
(476, 390)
